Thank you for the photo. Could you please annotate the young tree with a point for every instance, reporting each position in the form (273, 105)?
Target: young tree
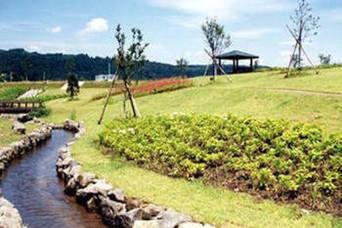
(182, 65)
(73, 87)
(324, 59)
(129, 61)
(305, 25)
(216, 40)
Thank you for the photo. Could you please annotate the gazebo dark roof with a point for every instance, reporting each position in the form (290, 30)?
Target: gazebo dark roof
(236, 55)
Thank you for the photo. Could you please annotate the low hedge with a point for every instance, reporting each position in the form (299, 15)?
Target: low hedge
(277, 159)
(11, 93)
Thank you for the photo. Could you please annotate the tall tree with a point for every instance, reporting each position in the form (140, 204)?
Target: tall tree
(182, 65)
(73, 86)
(305, 25)
(129, 61)
(26, 66)
(216, 40)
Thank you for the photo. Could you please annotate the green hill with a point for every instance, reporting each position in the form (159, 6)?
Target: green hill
(86, 67)
(313, 99)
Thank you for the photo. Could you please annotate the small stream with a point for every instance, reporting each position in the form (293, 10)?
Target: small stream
(32, 185)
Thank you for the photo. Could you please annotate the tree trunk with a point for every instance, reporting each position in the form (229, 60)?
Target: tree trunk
(135, 109)
(72, 93)
(124, 105)
(300, 46)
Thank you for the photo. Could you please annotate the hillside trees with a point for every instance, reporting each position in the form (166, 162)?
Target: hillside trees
(324, 59)
(69, 66)
(85, 66)
(216, 40)
(26, 66)
(182, 65)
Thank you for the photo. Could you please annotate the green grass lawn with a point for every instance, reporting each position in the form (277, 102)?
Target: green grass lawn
(245, 96)
(7, 136)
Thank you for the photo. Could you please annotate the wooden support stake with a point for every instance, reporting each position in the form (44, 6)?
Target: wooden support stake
(107, 98)
(291, 60)
(300, 45)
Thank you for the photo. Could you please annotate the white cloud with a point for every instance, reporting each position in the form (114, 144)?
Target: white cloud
(333, 15)
(287, 43)
(95, 25)
(253, 33)
(75, 47)
(293, 43)
(285, 53)
(20, 26)
(222, 9)
(55, 30)
(184, 21)
(33, 47)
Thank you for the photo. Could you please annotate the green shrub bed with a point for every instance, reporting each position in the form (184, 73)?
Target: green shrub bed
(11, 93)
(277, 159)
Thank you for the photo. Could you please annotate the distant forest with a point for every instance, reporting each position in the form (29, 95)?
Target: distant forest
(19, 62)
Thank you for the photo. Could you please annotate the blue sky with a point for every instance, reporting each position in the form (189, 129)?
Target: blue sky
(172, 27)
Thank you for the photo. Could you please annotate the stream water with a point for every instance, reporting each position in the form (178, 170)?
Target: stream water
(31, 184)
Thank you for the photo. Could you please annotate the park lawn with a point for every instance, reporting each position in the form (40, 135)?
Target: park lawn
(331, 78)
(7, 136)
(206, 203)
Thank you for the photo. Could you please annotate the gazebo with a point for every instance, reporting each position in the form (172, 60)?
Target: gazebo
(236, 56)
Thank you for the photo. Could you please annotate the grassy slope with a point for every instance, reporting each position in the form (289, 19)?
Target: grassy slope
(206, 203)
(7, 136)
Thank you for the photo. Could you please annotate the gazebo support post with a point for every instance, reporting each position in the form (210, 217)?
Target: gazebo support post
(220, 64)
(251, 65)
(237, 66)
(233, 66)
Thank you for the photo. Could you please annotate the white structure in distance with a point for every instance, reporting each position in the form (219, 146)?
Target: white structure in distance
(104, 77)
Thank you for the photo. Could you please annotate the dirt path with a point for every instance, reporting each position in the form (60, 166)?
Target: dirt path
(308, 92)
(31, 93)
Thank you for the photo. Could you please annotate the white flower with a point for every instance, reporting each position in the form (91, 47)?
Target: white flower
(131, 130)
(178, 113)
(122, 131)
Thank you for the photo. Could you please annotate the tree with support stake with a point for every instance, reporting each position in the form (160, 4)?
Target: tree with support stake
(217, 41)
(305, 26)
(129, 62)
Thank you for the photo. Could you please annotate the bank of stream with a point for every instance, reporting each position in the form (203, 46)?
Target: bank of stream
(32, 185)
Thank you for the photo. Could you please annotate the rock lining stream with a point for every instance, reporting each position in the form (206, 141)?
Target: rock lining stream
(31, 184)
